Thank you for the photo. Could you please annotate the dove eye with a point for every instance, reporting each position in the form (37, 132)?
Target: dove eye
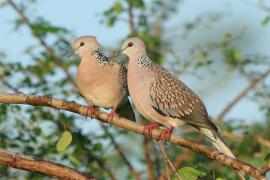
(81, 44)
(130, 44)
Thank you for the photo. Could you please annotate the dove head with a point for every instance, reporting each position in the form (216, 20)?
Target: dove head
(84, 45)
(133, 47)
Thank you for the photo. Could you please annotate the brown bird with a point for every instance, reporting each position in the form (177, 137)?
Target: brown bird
(101, 80)
(160, 97)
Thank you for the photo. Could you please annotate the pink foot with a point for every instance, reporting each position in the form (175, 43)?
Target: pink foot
(111, 115)
(148, 130)
(90, 111)
(166, 134)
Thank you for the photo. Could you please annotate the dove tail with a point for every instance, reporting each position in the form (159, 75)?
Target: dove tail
(220, 146)
(217, 142)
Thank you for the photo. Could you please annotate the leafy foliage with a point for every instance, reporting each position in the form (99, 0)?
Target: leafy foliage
(189, 173)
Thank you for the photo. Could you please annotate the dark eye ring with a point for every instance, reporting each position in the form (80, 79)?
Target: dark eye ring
(130, 44)
(81, 43)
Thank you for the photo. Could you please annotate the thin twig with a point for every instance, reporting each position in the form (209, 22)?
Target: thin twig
(184, 155)
(167, 159)
(8, 85)
(262, 141)
(252, 85)
(131, 17)
(27, 22)
(261, 5)
(105, 169)
(121, 153)
(148, 152)
(149, 162)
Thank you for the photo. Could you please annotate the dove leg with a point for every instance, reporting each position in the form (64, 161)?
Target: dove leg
(148, 130)
(166, 133)
(111, 115)
(90, 111)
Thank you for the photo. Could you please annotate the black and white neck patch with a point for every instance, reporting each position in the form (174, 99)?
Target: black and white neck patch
(102, 59)
(144, 61)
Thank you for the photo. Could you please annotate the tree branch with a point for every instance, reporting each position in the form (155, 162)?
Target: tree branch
(252, 85)
(128, 125)
(41, 166)
(264, 169)
(131, 17)
(185, 155)
(106, 169)
(149, 162)
(7, 84)
(167, 160)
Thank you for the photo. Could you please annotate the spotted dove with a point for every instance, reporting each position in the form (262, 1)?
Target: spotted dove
(160, 97)
(101, 80)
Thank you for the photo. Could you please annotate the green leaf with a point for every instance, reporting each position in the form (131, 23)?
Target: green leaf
(189, 173)
(267, 157)
(118, 8)
(73, 159)
(111, 21)
(97, 147)
(64, 141)
(265, 21)
(139, 3)
(233, 56)
(237, 54)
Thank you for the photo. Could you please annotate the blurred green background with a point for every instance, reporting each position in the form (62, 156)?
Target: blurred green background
(218, 48)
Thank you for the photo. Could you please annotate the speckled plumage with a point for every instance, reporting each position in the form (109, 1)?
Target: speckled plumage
(123, 76)
(144, 62)
(101, 80)
(160, 97)
(173, 98)
(101, 58)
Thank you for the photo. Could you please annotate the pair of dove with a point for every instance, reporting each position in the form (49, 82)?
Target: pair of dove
(158, 95)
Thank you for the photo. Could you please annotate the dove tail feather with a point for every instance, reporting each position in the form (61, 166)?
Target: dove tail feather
(220, 146)
(217, 142)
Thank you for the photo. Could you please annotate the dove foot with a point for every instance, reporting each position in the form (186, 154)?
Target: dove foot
(148, 130)
(90, 111)
(165, 135)
(111, 115)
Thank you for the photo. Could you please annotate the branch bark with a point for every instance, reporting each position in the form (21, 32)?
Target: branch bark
(55, 103)
(41, 166)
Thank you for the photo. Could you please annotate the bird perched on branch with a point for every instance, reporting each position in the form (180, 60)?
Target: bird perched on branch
(101, 80)
(160, 97)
